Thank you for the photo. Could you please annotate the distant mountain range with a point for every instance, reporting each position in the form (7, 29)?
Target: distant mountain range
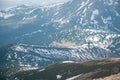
(76, 21)
(73, 31)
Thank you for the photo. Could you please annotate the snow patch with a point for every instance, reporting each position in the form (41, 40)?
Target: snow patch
(41, 70)
(93, 31)
(63, 43)
(1, 14)
(28, 68)
(82, 5)
(94, 38)
(30, 11)
(61, 21)
(6, 16)
(94, 14)
(58, 76)
(74, 77)
(56, 13)
(24, 65)
(68, 62)
(32, 33)
(53, 5)
(29, 18)
(20, 48)
(106, 20)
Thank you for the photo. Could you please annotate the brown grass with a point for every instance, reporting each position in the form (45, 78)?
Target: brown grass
(112, 77)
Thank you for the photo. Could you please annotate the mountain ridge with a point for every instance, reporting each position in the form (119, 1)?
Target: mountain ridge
(92, 70)
(76, 30)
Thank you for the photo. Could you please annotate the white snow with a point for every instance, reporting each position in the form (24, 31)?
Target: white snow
(96, 41)
(29, 18)
(64, 21)
(95, 38)
(20, 48)
(1, 14)
(84, 46)
(41, 70)
(28, 68)
(24, 65)
(58, 76)
(110, 2)
(74, 77)
(102, 41)
(68, 62)
(29, 12)
(9, 57)
(56, 13)
(109, 18)
(110, 36)
(106, 20)
(53, 5)
(117, 14)
(93, 30)
(117, 29)
(61, 21)
(90, 5)
(94, 14)
(83, 4)
(6, 16)
(32, 33)
(81, 20)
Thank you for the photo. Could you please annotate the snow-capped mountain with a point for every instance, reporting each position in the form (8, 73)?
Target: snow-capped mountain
(27, 24)
(39, 56)
(22, 56)
(76, 30)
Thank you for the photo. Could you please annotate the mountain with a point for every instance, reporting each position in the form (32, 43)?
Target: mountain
(36, 55)
(73, 21)
(112, 77)
(90, 70)
(76, 30)
(13, 57)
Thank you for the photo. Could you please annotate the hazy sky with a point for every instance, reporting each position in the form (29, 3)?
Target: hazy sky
(10, 3)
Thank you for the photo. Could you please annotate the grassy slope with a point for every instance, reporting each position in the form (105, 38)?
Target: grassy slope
(112, 77)
(89, 70)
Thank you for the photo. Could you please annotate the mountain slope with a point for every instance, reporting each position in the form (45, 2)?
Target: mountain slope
(18, 55)
(76, 23)
(44, 25)
(112, 77)
(14, 57)
(89, 70)
(76, 30)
